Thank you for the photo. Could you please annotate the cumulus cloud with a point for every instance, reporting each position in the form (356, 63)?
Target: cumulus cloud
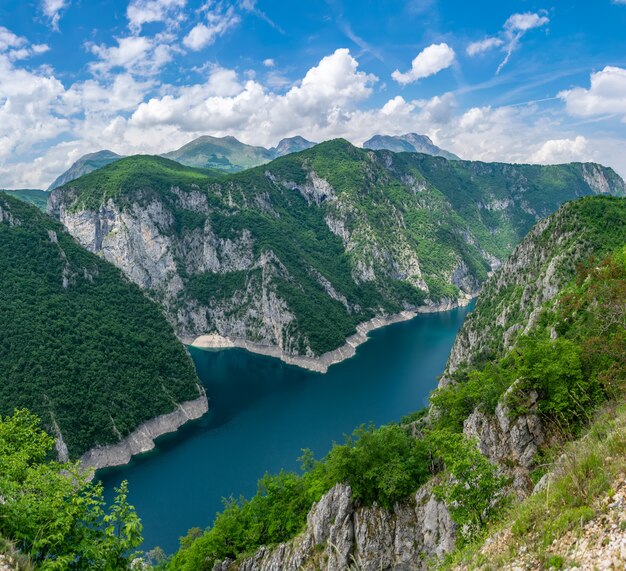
(429, 61)
(508, 39)
(561, 151)
(140, 12)
(130, 113)
(606, 94)
(219, 19)
(269, 62)
(52, 10)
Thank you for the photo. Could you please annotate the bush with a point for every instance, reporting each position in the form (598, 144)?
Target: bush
(51, 512)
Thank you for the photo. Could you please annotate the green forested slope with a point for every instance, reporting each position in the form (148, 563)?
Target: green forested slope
(332, 235)
(33, 196)
(80, 345)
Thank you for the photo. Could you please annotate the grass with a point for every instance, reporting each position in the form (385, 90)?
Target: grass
(582, 474)
(19, 561)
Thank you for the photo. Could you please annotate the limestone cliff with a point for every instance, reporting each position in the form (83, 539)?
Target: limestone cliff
(339, 535)
(295, 254)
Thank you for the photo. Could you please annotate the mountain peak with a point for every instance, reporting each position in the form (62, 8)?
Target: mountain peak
(408, 143)
(84, 165)
(290, 145)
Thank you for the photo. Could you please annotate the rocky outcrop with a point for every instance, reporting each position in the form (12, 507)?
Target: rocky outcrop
(509, 441)
(142, 438)
(339, 534)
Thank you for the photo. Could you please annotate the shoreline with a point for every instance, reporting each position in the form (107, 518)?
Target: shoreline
(142, 439)
(214, 341)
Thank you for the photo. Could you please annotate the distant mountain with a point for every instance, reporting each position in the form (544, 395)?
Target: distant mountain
(223, 153)
(409, 143)
(36, 197)
(291, 145)
(85, 165)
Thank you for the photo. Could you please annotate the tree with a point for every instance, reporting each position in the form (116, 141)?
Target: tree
(52, 511)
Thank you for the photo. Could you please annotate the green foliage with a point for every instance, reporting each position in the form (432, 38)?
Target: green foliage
(473, 487)
(52, 513)
(81, 346)
(383, 465)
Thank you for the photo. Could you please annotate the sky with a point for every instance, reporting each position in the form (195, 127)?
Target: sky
(515, 81)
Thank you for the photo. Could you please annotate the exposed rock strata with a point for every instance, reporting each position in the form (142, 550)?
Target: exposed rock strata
(323, 362)
(338, 534)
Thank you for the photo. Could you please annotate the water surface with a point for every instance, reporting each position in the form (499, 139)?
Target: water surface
(263, 412)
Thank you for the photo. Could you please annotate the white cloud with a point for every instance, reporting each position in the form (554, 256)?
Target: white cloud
(140, 12)
(429, 61)
(219, 19)
(133, 113)
(606, 94)
(561, 151)
(52, 9)
(525, 22)
(269, 62)
(136, 54)
(482, 46)
(510, 36)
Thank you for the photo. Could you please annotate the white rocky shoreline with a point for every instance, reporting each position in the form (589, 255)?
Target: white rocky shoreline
(321, 364)
(142, 438)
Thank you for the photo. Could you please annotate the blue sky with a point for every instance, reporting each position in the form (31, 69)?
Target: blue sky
(519, 81)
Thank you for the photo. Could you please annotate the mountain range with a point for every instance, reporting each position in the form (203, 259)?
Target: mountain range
(295, 254)
(409, 143)
(229, 155)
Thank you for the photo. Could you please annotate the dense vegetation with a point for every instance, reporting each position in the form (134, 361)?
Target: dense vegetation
(81, 346)
(51, 513)
(38, 198)
(407, 229)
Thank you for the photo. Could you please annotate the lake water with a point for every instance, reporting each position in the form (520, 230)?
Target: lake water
(263, 412)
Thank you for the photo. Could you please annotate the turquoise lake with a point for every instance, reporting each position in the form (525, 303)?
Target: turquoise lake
(263, 412)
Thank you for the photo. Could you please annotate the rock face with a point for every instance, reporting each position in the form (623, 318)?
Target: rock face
(510, 444)
(292, 256)
(339, 535)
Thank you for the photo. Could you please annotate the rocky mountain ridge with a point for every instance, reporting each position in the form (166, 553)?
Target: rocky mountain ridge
(295, 254)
